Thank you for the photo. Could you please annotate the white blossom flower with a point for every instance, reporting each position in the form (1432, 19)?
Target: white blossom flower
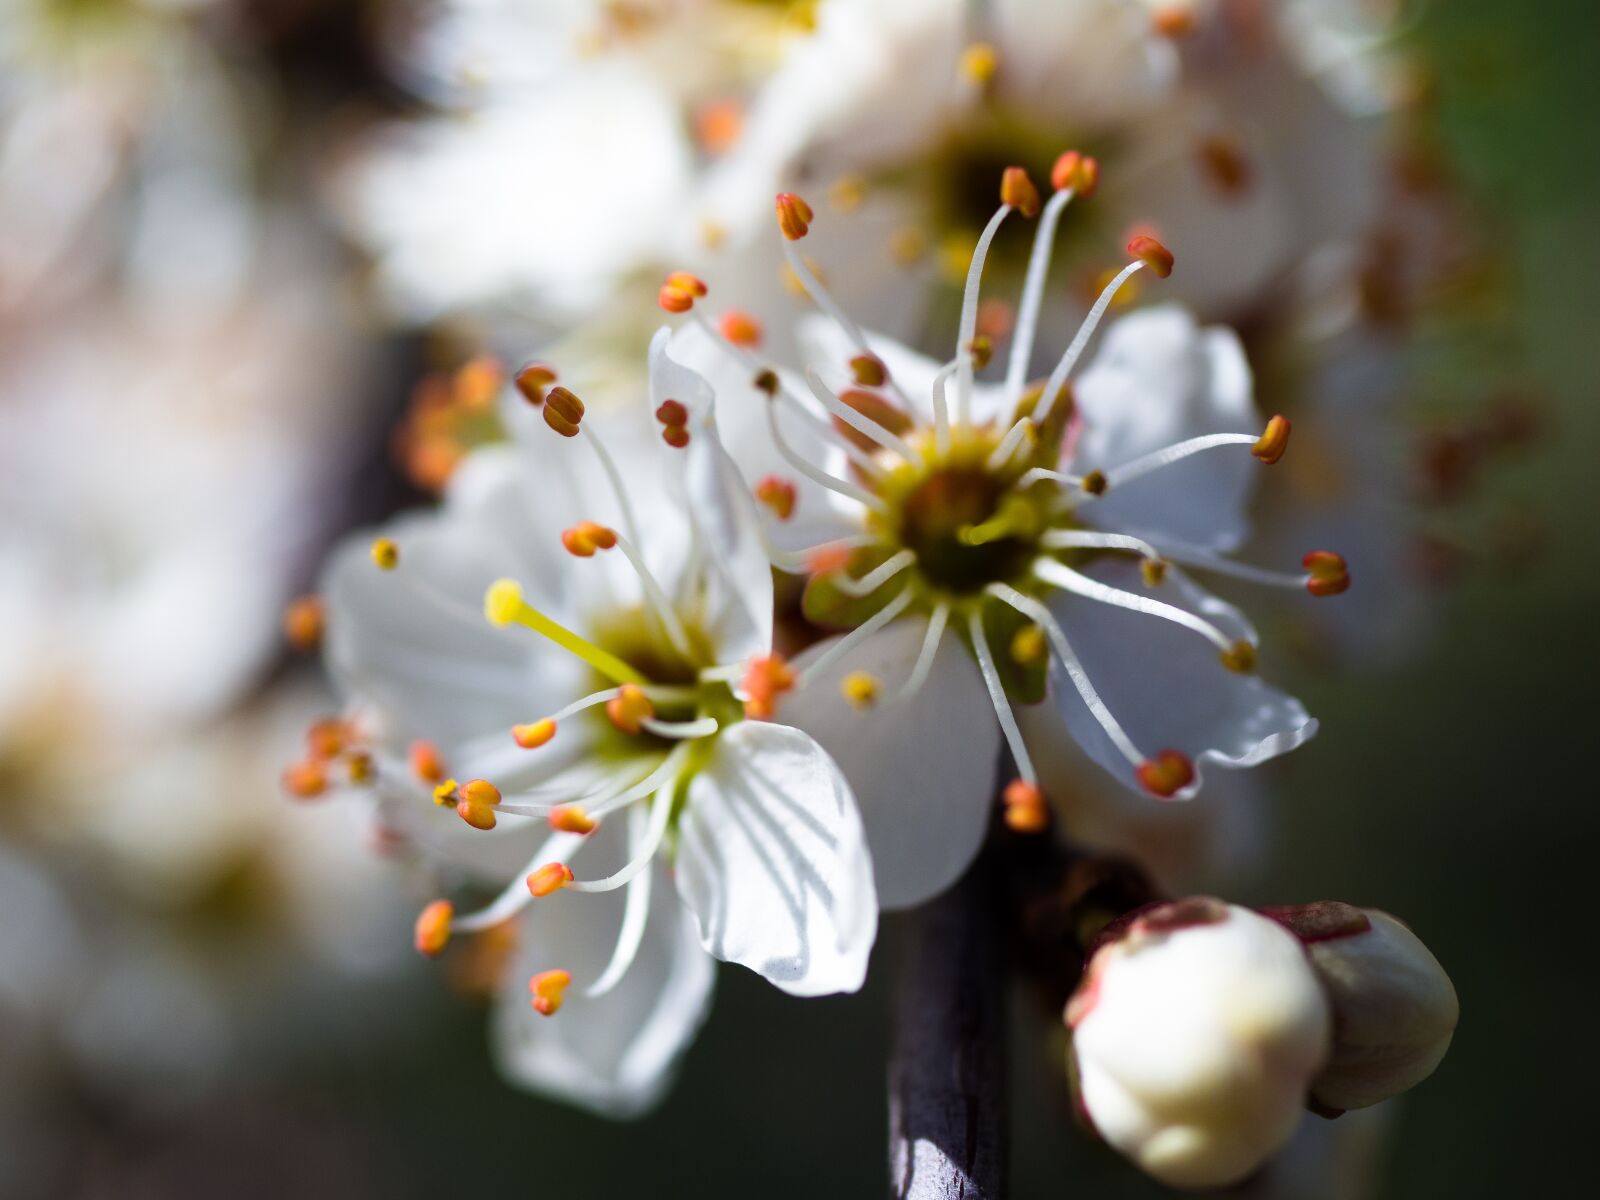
(614, 698)
(1035, 524)
(1195, 1035)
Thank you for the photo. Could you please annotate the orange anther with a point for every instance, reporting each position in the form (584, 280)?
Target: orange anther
(476, 383)
(584, 538)
(1166, 774)
(427, 764)
(551, 877)
(1023, 807)
(535, 734)
(675, 436)
(562, 411)
(1327, 573)
(778, 494)
(1274, 440)
(1077, 171)
(532, 381)
(674, 300)
(1017, 189)
(717, 125)
(326, 738)
(766, 678)
(868, 370)
(629, 708)
(740, 328)
(794, 216)
(360, 766)
(305, 780)
(824, 560)
(303, 622)
(433, 927)
(475, 803)
(385, 553)
(1173, 20)
(548, 988)
(1152, 254)
(570, 818)
(1240, 657)
(686, 282)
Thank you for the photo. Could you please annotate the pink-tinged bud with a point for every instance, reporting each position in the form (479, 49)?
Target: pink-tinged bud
(1076, 171)
(1394, 1008)
(1152, 254)
(1018, 190)
(794, 216)
(1326, 573)
(1196, 1033)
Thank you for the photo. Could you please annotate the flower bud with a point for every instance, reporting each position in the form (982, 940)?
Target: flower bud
(1196, 1032)
(1394, 1008)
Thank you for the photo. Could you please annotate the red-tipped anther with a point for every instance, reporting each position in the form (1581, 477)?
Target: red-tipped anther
(1152, 254)
(1077, 171)
(1018, 191)
(630, 708)
(1326, 573)
(306, 780)
(766, 678)
(584, 538)
(433, 927)
(674, 418)
(570, 818)
(534, 734)
(475, 803)
(551, 877)
(794, 216)
(562, 411)
(1023, 807)
(548, 988)
(1274, 440)
(532, 381)
(868, 370)
(740, 328)
(778, 494)
(327, 738)
(303, 622)
(1165, 775)
(427, 764)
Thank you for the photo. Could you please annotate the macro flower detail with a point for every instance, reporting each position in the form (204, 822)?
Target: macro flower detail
(559, 708)
(1196, 1032)
(1043, 528)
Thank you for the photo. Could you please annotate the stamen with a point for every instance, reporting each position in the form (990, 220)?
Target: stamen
(548, 988)
(385, 553)
(740, 328)
(684, 730)
(635, 915)
(433, 928)
(941, 408)
(979, 62)
(503, 603)
(930, 647)
(1240, 658)
(1080, 341)
(1168, 455)
(1327, 573)
(1018, 191)
(679, 292)
(821, 558)
(563, 411)
(1273, 441)
(1029, 646)
(1152, 254)
(660, 810)
(533, 379)
(878, 576)
(303, 622)
(856, 636)
(1086, 539)
(674, 418)
(1205, 561)
(816, 474)
(586, 537)
(868, 370)
(629, 708)
(778, 495)
(1077, 173)
(860, 422)
(1023, 807)
(1065, 577)
(426, 763)
(1008, 444)
(550, 878)
(997, 697)
(532, 736)
(766, 677)
(1034, 474)
(860, 689)
(969, 314)
(571, 818)
(326, 738)
(1166, 774)
(1041, 616)
(476, 802)
(306, 780)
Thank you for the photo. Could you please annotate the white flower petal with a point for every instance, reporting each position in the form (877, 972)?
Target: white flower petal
(1165, 685)
(773, 863)
(1159, 378)
(615, 1054)
(923, 771)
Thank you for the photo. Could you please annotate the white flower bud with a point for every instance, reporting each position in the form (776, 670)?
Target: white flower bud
(1196, 1033)
(1394, 1008)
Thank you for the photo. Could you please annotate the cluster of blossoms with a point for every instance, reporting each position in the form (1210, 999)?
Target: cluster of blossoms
(566, 688)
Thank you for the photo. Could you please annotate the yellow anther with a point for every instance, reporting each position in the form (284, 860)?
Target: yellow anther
(303, 622)
(1153, 571)
(433, 927)
(1029, 646)
(503, 604)
(385, 553)
(535, 734)
(1095, 483)
(860, 689)
(1274, 440)
(548, 988)
(444, 792)
(868, 370)
(551, 877)
(629, 708)
(360, 767)
(982, 350)
(908, 245)
(847, 193)
(1240, 657)
(979, 63)
(1018, 191)
(570, 818)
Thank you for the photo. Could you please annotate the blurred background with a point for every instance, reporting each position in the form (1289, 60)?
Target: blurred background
(251, 284)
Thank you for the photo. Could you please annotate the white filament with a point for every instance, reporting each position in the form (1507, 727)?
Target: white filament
(969, 316)
(997, 696)
(657, 597)
(860, 422)
(878, 576)
(816, 474)
(1066, 578)
(514, 897)
(1085, 331)
(660, 810)
(609, 465)
(930, 647)
(683, 730)
(1167, 455)
(1033, 294)
(635, 915)
(856, 636)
